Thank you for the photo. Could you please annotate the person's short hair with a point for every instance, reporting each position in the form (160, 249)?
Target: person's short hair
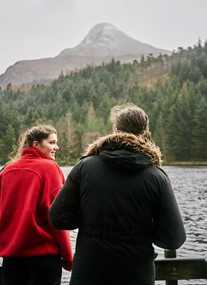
(130, 119)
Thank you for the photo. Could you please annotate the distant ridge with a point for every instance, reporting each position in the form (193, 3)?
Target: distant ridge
(103, 42)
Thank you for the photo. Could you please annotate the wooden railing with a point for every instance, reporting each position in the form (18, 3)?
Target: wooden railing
(171, 269)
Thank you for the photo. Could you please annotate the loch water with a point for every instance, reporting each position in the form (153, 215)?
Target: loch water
(190, 187)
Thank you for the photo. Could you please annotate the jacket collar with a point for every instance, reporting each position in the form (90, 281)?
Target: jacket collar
(123, 140)
(31, 152)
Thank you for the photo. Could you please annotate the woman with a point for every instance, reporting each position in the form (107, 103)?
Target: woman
(30, 246)
(122, 202)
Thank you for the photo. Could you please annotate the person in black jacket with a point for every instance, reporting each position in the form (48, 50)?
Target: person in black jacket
(122, 202)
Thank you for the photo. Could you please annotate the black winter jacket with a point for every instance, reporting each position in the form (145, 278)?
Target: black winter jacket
(122, 202)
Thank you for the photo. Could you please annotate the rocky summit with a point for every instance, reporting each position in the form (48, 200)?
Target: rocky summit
(101, 44)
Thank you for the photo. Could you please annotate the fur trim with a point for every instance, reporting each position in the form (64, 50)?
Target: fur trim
(137, 143)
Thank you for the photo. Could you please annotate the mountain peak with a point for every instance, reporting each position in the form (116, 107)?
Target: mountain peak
(98, 37)
(101, 32)
(105, 39)
(103, 35)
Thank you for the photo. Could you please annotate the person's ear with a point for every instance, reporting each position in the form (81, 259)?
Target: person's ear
(35, 144)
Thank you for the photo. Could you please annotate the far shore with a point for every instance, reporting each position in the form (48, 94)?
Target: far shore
(172, 163)
(184, 163)
(164, 163)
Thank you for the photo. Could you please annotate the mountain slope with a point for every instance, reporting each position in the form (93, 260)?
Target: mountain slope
(101, 44)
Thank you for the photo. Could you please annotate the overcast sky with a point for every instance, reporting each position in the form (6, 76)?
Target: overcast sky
(32, 29)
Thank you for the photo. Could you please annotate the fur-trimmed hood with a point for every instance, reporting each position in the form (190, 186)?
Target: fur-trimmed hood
(125, 150)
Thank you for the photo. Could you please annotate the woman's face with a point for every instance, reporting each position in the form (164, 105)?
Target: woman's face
(48, 146)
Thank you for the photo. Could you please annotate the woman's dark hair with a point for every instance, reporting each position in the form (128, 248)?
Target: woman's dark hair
(37, 133)
(131, 119)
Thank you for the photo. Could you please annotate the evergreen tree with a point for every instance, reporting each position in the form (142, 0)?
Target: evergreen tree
(200, 131)
(7, 144)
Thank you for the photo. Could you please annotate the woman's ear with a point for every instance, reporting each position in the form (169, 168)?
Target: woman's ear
(35, 144)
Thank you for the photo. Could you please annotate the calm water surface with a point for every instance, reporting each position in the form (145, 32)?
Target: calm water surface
(190, 187)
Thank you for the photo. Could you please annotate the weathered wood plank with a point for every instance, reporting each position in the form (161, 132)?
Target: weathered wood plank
(181, 268)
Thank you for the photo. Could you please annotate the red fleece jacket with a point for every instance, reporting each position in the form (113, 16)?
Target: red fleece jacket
(27, 188)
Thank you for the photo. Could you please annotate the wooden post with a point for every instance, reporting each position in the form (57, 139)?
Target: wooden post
(171, 254)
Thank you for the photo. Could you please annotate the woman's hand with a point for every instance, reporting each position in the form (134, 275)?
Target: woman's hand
(67, 265)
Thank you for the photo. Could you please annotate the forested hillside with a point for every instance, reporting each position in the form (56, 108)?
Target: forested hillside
(171, 89)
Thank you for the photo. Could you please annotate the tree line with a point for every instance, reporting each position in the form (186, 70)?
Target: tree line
(172, 89)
